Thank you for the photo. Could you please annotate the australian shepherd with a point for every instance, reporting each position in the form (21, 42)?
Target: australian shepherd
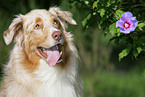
(43, 62)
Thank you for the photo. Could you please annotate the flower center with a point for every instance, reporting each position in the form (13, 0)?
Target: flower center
(126, 25)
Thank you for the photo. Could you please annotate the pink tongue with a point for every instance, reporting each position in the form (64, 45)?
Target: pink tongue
(52, 56)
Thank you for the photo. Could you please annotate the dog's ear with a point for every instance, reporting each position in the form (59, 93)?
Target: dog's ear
(65, 15)
(13, 30)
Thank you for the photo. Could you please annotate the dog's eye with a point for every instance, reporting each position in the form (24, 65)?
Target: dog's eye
(55, 22)
(37, 26)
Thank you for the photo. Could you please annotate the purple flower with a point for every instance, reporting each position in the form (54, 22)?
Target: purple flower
(127, 23)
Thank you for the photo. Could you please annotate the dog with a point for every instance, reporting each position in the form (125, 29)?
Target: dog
(44, 59)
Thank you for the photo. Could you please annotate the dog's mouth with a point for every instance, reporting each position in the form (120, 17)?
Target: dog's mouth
(53, 54)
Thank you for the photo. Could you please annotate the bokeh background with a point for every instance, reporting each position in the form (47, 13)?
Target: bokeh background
(102, 73)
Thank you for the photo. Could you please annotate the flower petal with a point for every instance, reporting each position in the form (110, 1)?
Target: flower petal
(124, 19)
(122, 30)
(136, 23)
(119, 23)
(127, 15)
(125, 31)
(133, 19)
(133, 26)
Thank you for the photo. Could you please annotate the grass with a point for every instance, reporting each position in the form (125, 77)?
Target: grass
(114, 85)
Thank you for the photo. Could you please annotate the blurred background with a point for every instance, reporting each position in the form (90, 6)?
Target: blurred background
(102, 73)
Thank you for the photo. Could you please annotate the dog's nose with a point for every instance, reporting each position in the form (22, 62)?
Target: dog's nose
(57, 35)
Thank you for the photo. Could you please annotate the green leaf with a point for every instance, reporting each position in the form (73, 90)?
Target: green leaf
(118, 32)
(84, 22)
(112, 29)
(73, 3)
(95, 4)
(124, 53)
(139, 49)
(110, 2)
(102, 12)
(140, 25)
(119, 13)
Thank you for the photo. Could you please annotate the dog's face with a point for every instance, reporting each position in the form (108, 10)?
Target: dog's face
(41, 34)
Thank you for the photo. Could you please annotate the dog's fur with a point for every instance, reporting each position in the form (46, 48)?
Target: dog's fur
(27, 73)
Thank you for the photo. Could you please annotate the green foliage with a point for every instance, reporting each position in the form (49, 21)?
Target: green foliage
(84, 22)
(124, 53)
(112, 29)
(95, 4)
(107, 13)
(102, 12)
(118, 13)
(114, 85)
(141, 25)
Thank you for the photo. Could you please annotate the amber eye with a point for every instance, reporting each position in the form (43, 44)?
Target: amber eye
(37, 26)
(55, 22)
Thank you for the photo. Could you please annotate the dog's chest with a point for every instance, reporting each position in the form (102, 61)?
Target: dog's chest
(46, 82)
(56, 90)
(54, 82)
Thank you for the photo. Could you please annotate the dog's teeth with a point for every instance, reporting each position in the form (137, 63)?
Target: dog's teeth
(59, 61)
(60, 53)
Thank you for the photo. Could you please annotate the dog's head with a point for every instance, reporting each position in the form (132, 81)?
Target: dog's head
(41, 34)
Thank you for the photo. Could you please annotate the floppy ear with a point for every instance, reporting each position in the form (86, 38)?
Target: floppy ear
(65, 15)
(13, 30)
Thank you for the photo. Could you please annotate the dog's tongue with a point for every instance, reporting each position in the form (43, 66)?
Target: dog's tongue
(52, 56)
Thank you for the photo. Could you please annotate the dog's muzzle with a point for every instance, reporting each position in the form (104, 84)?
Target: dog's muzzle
(53, 54)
